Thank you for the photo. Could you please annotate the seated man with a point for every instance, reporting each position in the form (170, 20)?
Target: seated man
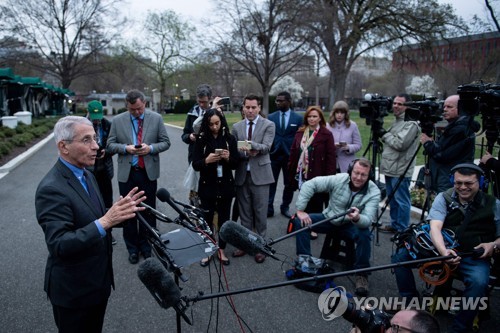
(352, 190)
(474, 217)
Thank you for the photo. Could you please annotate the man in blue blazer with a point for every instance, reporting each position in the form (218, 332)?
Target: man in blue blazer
(138, 137)
(287, 122)
(71, 212)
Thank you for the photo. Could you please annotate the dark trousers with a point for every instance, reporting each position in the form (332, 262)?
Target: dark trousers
(81, 320)
(280, 163)
(134, 233)
(223, 209)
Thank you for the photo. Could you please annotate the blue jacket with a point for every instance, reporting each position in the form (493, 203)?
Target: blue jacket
(283, 139)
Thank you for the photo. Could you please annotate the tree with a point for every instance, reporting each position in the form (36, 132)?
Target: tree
(344, 30)
(167, 42)
(262, 39)
(288, 83)
(422, 85)
(68, 34)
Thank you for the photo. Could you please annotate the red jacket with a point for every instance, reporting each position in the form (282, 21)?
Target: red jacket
(321, 159)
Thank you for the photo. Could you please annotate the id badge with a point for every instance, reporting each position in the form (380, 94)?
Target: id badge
(219, 171)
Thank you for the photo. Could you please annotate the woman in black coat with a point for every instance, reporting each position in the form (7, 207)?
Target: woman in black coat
(215, 155)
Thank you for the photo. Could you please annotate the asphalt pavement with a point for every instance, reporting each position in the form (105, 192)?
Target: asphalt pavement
(131, 307)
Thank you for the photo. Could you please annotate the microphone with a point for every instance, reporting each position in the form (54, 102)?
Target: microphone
(161, 285)
(159, 215)
(245, 240)
(164, 196)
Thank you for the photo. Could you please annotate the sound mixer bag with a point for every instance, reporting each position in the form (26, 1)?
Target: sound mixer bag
(308, 266)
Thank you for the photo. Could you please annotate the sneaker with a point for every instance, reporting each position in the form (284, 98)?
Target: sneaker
(388, 229)
(113, 240)
(361, 285)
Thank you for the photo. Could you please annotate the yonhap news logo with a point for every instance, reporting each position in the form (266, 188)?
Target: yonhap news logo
(334, 302)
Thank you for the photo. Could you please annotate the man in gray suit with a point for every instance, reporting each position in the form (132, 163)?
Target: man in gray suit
(138, 136)
(254, 173)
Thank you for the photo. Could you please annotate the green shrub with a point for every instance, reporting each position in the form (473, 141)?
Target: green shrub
(5, 148)
(21, 140)
(39, 131)
(9, 132)
(21, 128)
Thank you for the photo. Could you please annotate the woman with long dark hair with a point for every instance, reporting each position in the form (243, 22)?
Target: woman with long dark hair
(215, 155)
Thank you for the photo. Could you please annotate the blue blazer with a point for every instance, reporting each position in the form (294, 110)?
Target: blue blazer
(283, 139)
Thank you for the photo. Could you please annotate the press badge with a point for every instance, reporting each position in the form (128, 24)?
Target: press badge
(219, 171)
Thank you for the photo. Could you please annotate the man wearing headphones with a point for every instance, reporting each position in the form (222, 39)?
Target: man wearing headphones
(353, 192)
(474, 217)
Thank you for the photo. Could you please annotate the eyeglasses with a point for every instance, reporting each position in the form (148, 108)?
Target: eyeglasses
(467, 184)
(278, 101)
(397, 328)
(87, 140)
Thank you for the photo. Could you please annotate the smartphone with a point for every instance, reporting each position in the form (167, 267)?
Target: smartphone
(137, 146)
(224, 101)
(219, 151)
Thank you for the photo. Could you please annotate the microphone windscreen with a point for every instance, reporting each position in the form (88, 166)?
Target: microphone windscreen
(159, 283)
(163, 195)
(242, 238)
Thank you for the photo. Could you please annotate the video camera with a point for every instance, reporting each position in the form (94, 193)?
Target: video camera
(368, 320)
(374, 108)
(482, 99)
(426, 113)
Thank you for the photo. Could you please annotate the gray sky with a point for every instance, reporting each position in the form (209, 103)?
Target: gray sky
(198, 9)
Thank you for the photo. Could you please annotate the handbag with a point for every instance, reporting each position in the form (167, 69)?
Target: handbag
(191, 179)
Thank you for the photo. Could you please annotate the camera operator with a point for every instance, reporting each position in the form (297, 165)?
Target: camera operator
(491, 167)
(454, 146)
(416, 321)
(400, 143)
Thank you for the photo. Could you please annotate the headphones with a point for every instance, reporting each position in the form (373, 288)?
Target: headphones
(351, 166)
(479, 172)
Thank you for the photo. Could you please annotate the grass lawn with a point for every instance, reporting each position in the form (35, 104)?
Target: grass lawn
(179, 119)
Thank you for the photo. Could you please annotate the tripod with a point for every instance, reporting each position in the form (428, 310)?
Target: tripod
(393, 193)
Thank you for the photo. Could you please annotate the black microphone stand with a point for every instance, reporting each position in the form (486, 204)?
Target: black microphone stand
(201, 296)
(161, 252)
(279, 239)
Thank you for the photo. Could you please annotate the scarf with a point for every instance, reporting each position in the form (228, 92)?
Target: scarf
(303, 165)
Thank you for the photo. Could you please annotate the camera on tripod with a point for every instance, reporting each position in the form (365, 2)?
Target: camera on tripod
(482, 99)
(374, 108)
(427, 113)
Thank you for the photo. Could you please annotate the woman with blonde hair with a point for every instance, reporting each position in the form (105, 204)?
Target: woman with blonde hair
(346, 135)
(312, 154)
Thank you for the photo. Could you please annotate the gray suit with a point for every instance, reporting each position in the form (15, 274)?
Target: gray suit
(252, 187)
(154, 134)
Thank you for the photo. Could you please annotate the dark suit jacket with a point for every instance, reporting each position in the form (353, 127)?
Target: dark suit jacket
(79, 270)
(154, 133)
(283, 139)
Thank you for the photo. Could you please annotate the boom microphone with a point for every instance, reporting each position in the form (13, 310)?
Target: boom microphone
(245, 240)
(161, 285)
